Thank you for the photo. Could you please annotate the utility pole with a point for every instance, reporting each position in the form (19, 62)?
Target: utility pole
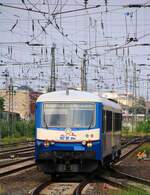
(134, 102)
(126, 83)
(84, 72)
(147, 95)
(135, 88)
(10, 106)
(6, 74)
(52, 78)
(133, 97)
(126, 87)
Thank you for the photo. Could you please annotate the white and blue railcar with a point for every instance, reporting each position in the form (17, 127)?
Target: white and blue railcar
(76, 131)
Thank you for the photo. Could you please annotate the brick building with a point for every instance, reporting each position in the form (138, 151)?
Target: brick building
(21, 101)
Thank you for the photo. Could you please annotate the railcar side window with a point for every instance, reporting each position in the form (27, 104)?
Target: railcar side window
(118, 121)
(109, 120)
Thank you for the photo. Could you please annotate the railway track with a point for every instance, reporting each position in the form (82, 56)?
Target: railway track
(50, 187)
(74, 188)
(16, 144)
(13, 159)
(17, 149)
(40, 187)
(23, 151)
(132, 145)
(77, 188)
(15, 162)
(129, 177)
(113, 167)
(135, 140)
(14, 167)
(117, 178)
(126, 151)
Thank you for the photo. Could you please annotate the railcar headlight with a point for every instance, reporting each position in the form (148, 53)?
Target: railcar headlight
(52, 143)
(83, 142)
(89, 144)
(46, 143)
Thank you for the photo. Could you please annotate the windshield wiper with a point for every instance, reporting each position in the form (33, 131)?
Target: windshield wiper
(91, 121)
(45, 120)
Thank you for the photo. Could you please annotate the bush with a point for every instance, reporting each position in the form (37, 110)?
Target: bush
(4, 128)
(20, 128)
(143, 126)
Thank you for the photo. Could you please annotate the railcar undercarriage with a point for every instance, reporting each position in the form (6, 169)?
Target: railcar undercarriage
(67, 161)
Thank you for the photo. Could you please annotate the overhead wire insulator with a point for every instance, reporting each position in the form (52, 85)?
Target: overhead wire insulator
(134, 5)
(33, 27)
(41, 51)
(106, 5)
(85, 3)
(14, 25)
(76, 50)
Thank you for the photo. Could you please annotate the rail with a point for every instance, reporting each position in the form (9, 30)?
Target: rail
(12, 170)
(40, 187)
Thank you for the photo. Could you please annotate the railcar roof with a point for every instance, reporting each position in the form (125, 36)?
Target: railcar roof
(76, 96)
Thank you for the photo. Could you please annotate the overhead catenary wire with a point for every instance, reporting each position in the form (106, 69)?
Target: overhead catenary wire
(56, 21)
(43, 12)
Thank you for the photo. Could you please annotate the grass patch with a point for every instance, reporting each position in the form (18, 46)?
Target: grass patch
(130, 192)
(134, 133)
(2, 190)
(145, 147)
(9, 140)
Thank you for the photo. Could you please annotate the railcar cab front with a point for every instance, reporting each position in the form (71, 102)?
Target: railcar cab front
(71, 131)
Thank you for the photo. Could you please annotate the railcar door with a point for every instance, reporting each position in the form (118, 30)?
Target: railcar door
(104, 132)
(108, 132)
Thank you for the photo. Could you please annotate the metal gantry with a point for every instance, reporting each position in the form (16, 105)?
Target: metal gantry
(52, 78)
(84, 72)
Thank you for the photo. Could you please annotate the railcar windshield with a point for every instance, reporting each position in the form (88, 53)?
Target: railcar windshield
(80, 115)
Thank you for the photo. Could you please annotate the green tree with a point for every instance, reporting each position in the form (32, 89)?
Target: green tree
(2, 104)
(139, 107)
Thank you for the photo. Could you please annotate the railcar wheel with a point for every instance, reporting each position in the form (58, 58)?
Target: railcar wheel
(107, 161)
(118, 155)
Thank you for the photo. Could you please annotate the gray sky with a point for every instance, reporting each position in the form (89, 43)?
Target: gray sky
(100, 30)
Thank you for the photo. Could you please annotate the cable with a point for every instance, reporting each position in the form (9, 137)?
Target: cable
(45, 13)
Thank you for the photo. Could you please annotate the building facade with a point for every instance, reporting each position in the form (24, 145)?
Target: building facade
(20, 101)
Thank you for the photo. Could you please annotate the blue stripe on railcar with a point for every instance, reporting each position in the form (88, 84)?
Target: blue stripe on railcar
(38, 114)
(38, 119)
(98, 148)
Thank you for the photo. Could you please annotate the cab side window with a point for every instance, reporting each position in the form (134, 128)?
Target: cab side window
(118, 122)
(104, 121)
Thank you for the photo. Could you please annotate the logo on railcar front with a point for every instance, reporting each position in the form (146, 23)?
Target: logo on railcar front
(68, 135)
